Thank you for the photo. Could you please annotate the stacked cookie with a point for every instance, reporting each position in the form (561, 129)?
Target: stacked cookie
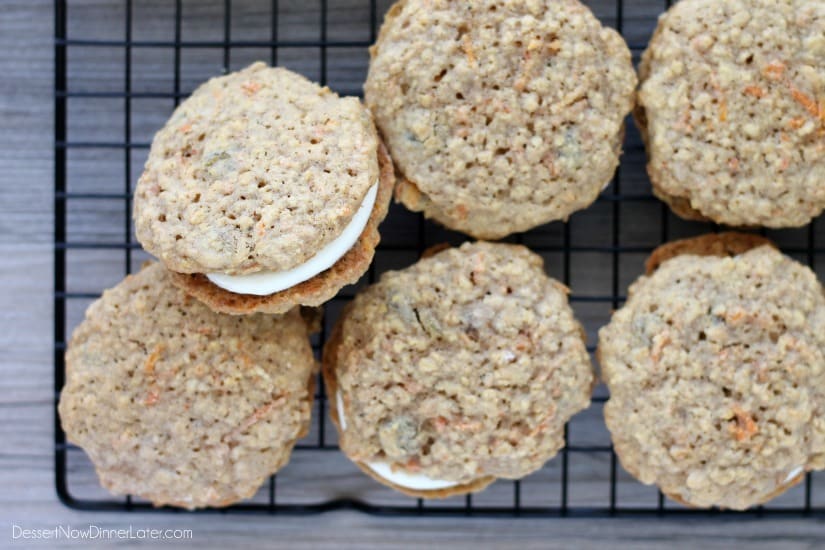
(456, 371)
(262, 193)
(190, 382)
(715, 365)
(501, 116)
(182, 405)
(716, 371)
(731, 108)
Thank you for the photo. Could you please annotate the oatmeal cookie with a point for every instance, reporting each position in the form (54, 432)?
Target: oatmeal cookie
(181, 405)
(732, 109)
(716, 372)
(259, 182)
(456, 371)
(500, 115)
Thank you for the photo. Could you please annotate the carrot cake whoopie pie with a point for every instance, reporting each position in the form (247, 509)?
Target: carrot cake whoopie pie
(500, 115)
(716, 372)
(456, 371)
(179, 404)
(732, 108)
(264, 191)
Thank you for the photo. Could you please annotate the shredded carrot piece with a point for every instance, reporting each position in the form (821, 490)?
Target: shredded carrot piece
(251, 87)
(797, 123)
(723, 111)
(467, 46)
(257, 415)
(523, 342)
(660, 342)
(465, 425)
(755, 91)
(809, 104)
(735, 316)
(153, 395)
(774, 70)
(745, 427)
(186, 128)
(540, 427)
(149, 365)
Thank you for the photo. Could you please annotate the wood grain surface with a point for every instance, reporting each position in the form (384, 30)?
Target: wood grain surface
(27, 494)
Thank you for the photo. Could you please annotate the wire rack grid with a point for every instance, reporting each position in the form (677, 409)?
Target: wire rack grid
(101, 73)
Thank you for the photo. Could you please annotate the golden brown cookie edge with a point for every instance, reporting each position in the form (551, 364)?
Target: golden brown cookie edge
(729, 243)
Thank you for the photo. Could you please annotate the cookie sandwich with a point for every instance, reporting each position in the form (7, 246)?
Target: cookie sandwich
(499, 116)
(459, 370)
(732, 109)
(264, 191)
(716, 372)
(178, 404)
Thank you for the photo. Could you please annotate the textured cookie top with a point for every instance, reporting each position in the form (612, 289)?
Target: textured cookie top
(502, 115)
(181, 405)
(257, 170)
(716, 371)
(733, 102)
(465, 365)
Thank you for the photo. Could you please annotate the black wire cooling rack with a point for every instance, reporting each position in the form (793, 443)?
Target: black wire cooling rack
(99, 72)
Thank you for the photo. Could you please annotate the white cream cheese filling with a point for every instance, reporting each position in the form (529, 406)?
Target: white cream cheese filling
(270, 282)
(795, 472)
(416, 482)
